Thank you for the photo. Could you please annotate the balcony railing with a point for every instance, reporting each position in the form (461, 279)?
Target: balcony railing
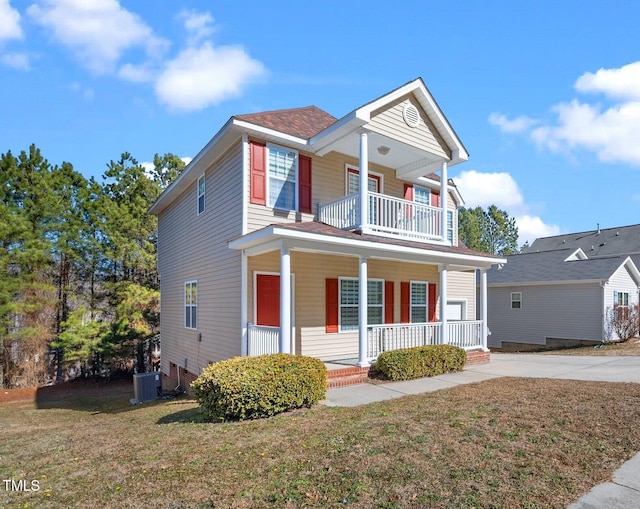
(262, 340)
(382, 338)
(387, 215)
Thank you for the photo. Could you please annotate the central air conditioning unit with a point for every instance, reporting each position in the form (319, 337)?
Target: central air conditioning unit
(146, 387)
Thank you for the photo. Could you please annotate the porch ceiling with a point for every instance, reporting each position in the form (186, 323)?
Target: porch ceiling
(321, 238)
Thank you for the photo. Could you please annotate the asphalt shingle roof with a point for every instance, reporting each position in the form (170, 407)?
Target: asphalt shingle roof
(301, 122)
(623, 240)
(549, 266)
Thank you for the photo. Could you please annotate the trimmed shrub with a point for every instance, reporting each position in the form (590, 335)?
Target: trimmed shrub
(254, 387)
(410, 363)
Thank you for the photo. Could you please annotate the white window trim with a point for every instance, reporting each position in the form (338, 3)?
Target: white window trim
(411, 305)
(203, 195)
(424, 188)
(348, 167)
(519, 300)
(184, 297)
(296, 200)
(346, 278)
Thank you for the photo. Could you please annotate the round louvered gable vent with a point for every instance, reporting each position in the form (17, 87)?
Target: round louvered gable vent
(411, 115)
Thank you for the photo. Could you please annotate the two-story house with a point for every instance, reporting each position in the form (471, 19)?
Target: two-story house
(294, 231)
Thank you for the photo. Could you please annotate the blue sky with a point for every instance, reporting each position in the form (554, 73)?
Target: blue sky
(545, 95)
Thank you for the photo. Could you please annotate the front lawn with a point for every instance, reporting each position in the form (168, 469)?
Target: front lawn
(501, 443)
(630, 347)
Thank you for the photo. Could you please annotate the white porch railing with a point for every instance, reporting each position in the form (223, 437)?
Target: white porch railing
(466, 334)
(262, 339)
(387, 215)
(342, 213)
(382, 338)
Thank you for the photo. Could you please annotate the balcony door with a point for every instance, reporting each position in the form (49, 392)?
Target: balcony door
(374, 186)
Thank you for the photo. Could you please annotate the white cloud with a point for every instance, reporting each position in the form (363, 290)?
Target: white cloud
(609, 131)
(484, 189)
(204, 76)
(9, 22)
(532, 227)
(500, 189)
(197, 24)
(621, 83)
(18, 61)
(517, 125)
(98, 32)
(136, 73)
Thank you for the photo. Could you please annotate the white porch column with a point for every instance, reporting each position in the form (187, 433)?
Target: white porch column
(285, 301)
(444, 195)
(443, 304)
(364, 181)
(363, 361)
(483, 308)
(244, 342)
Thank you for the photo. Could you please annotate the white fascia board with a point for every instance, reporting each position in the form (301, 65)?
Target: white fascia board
(365, 111)
(194, 167)
(321, 143)
(358, 247)
(272, 134)
(633, 270)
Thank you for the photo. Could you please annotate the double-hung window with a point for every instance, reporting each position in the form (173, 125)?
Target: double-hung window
(450, 226)
(419, 302)
(621, 304)
(349, 300)
(190, 304)
(283, 175)
(421, 195)
(201, 192)
(516, 300)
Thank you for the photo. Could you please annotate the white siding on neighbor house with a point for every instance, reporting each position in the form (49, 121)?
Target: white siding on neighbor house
(389, 121)
(193, 247)
(569, 311)
(620, 281)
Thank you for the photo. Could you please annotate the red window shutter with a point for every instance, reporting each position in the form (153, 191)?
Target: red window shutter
(435, 199)
(408, 192)
(258, 179)
(405, 302)
(268, 300)
(332, 305)
(388, 302)
(432, 302)
(304, 184)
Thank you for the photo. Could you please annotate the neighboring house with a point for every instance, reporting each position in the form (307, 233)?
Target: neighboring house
(558, 298)
(294, 231)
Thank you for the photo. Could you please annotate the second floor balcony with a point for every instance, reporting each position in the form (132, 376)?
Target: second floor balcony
(387, 216)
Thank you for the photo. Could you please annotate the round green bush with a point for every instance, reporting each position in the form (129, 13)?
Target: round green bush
(254, 387)
(431, 360)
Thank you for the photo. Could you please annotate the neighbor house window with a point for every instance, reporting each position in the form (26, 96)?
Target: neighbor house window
(190, 304)
(516, 300)
(349, 299)
(201, 191)
(283, 170)
(419, 302)
(621, 304)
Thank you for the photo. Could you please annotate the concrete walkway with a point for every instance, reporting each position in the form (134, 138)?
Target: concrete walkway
(621, 493)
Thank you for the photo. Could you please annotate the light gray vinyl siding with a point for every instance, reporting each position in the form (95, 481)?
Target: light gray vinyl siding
(620, 281)
(193, 247)
(570, 311)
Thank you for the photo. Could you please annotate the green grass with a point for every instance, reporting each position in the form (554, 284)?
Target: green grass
(501, 443)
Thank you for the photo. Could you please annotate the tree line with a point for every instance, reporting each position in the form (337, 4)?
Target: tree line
(79, 288)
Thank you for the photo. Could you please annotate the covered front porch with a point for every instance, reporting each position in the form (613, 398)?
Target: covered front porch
(345, 295)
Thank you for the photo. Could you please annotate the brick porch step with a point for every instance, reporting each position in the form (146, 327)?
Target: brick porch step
(356, 375)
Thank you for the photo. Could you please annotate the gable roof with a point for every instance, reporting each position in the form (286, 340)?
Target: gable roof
(557, 266)
(622, 240)
(303, 122)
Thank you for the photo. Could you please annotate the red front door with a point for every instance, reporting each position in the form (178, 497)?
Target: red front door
(268, 300)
